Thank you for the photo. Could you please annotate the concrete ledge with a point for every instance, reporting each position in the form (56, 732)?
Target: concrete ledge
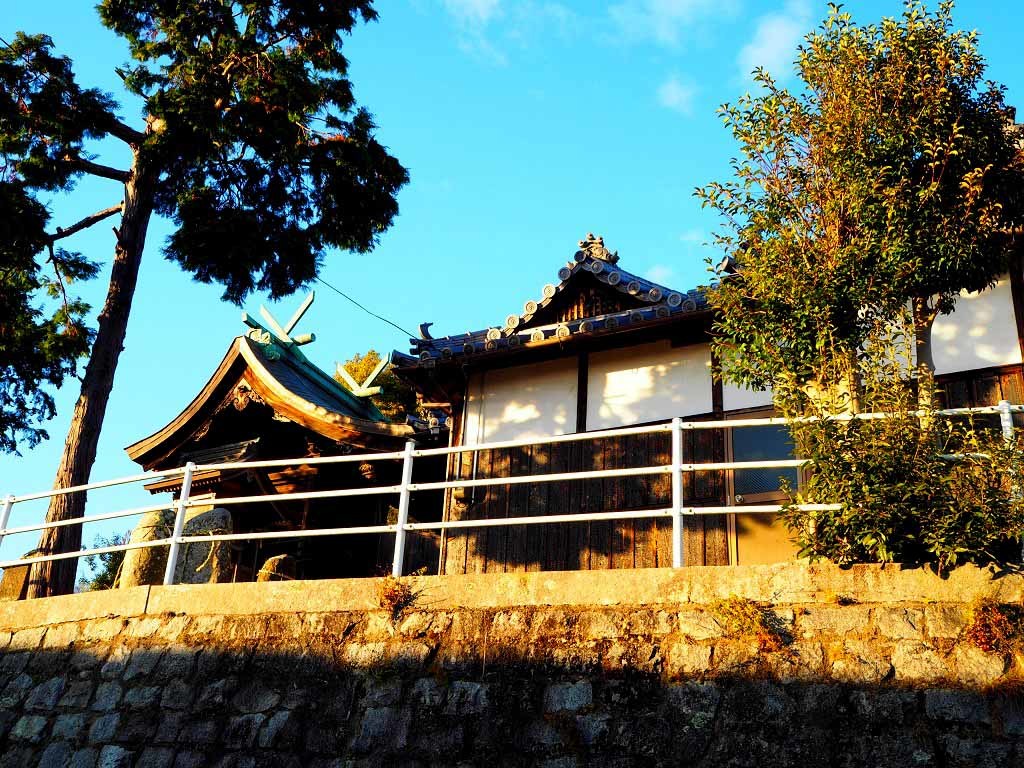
(799, 582)
(86, 605)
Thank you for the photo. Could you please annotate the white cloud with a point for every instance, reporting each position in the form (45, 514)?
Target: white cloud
(485, 28)
(694, 237)
(677, 95)
(473, 13)
(775, 41)
(664, 21)
(660, 273)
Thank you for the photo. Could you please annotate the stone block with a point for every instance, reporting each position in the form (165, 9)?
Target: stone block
(917, 663)
(102, 630)
(241, 731)
(61, 636)
(598, 625)
(382, 729)
(974, 753)
(112, 756)
(466, 698)
(142, 697)
(77, 695)
(26, 639)
(698, 625)
(568, 697)
(176, 695)
(84, 758)
(198, 731)
(56, 755)
(175, 664)
(15, 691)
(143, 627)
(116, 663)
(427, 692)
(169, 727)
(143, 661)
(256, 697)
(957, 706)
(592, 728)
(889, 707)
(69, 727)
(862, 662)
(946, 620)
(840, 620)
(899, 623)
(108, 696)
(278, 732)
(190, 759)
(155, 757)
(29, 728)
(683, 659)
(540, 736)
(974, 667)
(104, 728)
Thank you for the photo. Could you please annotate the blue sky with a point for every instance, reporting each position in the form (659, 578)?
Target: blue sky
(524, 125)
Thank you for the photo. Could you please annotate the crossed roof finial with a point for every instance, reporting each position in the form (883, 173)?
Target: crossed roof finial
(278, 334)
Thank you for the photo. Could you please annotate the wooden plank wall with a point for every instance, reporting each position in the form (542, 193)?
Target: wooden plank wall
(594, 545)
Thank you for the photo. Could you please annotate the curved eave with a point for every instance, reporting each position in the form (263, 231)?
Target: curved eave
(243, 362)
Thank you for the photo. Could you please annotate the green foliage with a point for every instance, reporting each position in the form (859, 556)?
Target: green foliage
(251, 142)
(103, 568)
(396, 399)
(914, 486)
(891, 175)
(265, 160)
(42, 331)
(742, 617)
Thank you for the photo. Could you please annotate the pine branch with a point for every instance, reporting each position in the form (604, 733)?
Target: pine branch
(95, 169)
(125, 133)
(85, 223)
(68, 325)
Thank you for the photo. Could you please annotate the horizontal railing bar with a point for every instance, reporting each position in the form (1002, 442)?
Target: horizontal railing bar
(757, 509)
(86, 519)
(311, 532)
(162, 475)
(767, 464)
(84, 553)
(551, 478)
(313, 460)
(567, 438)
(383, 489)
(582, 517)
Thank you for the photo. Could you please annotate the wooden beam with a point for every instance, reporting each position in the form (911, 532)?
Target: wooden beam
(582, 384)
(1017, 292)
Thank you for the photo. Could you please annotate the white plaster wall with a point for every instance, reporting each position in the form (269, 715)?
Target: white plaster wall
(735, 397)
(522, 403)
(648, 382)
(980, 333)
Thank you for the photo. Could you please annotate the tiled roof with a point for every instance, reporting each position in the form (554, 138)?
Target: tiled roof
(655, 302)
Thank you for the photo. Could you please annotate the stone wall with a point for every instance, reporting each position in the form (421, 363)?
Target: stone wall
(863, 667)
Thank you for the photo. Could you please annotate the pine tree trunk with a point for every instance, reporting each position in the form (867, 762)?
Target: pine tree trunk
(58, 577)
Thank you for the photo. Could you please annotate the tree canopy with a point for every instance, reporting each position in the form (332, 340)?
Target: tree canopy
(891, 175)
(250, 141)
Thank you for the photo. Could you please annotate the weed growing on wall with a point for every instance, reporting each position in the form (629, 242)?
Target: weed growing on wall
(742, 617)
(996, 628)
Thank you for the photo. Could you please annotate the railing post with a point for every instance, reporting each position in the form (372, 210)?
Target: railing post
(677, 492)
(1006, 420)
(179, 524)
(403, 510)
(5, 516)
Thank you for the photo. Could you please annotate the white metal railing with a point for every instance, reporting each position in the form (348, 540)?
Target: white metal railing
(677, 511)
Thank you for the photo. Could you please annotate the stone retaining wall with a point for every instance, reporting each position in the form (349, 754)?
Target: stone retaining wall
(863, 667)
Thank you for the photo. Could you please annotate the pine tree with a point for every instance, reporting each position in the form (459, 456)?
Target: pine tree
(250, 142)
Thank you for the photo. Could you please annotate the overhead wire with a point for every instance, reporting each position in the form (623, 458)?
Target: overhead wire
(367, 311)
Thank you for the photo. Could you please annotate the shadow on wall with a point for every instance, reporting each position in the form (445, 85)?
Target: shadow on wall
(303, 691)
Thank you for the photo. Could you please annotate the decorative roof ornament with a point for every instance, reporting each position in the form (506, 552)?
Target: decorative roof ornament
(594, 248)
(279, 338)
(364, 389)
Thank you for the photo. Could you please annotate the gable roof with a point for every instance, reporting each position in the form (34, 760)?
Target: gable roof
(288, 382)
(640, 302)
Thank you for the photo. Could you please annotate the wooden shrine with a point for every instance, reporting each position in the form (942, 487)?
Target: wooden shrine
(267, 401)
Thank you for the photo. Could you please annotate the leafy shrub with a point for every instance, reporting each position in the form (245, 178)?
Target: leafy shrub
(914, 486)
(103, 568)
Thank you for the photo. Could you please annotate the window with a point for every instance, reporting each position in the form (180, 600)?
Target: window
(761, 537)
